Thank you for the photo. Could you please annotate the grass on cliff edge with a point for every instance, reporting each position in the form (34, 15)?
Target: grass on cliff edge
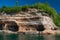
(49, 10)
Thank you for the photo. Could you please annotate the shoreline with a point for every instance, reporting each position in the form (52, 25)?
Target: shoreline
(46, 32)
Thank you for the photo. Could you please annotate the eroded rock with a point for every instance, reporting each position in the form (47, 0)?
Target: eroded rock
(27, 22)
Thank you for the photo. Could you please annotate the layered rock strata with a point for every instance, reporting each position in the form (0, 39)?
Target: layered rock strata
(33, 21)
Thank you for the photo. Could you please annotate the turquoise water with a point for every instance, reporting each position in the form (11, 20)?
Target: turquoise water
(28, 37)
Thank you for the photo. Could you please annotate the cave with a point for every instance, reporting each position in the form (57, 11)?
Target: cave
(40, 28)
(1, 26)
(12, 27)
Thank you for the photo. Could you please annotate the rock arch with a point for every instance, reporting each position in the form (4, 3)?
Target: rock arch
(40, 28)
(12, 26)
(1, 25)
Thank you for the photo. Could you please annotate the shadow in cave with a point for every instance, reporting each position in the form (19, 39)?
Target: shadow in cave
(1, 26)
(12, 27)
(40, 28)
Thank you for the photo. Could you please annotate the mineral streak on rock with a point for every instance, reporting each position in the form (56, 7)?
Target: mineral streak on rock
(34, 21)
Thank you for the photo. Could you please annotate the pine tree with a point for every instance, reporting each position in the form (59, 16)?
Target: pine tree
(16, 2)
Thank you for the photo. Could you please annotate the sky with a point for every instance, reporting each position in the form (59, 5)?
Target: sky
(53, 3)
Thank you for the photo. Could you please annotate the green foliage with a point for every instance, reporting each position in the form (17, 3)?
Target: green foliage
(25, 8)
(14, 9)
(10, 9)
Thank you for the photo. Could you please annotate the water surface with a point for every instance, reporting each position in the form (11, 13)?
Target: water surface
(5, 36)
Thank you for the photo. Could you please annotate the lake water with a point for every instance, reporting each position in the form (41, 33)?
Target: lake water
(5, 36)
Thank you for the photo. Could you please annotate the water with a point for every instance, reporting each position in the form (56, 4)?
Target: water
(28, 37)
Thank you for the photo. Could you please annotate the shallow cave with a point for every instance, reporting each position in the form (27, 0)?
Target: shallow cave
(40, 28)
(54, 28)
(13, 27)
(1, 26)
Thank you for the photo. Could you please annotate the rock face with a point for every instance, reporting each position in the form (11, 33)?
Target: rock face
(48, 23)
(30, 21)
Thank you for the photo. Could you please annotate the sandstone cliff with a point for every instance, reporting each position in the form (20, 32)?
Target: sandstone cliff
(34, 20)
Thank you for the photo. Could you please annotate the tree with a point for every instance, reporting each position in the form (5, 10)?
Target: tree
(16, 2)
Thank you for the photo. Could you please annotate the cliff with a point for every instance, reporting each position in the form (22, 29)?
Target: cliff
(33, 20)
(42, 6)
